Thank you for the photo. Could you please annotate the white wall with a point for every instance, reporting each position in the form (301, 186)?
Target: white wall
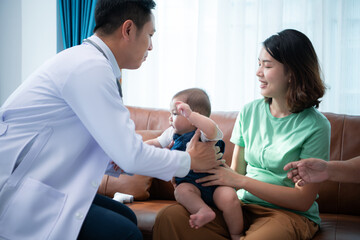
(29, 37)
(38, 33)
(10, 47)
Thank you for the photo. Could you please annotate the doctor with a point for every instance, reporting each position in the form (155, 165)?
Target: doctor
(64, 125)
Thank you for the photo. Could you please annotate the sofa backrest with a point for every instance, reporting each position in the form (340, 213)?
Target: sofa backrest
(158, 119)
(334, 197)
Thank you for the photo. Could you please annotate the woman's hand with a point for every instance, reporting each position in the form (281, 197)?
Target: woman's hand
(222, 175)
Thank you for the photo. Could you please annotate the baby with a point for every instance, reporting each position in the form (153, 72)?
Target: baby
(190, 110)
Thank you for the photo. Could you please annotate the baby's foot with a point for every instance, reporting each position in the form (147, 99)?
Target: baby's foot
(202, 217)
(236, 236)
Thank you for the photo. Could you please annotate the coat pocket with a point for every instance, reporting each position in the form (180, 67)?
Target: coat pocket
(33, 211)
(3, 128)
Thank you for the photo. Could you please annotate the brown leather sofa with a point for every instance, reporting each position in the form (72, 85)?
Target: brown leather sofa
(339, 203)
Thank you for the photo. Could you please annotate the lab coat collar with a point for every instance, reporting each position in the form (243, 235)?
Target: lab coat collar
(110, 56)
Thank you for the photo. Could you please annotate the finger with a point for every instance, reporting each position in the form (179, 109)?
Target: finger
(195, 138)
(295, 179)
(222, 162)
(212, 170)
(300, 183)
(219, 156)
(292, 173)
(210, 183)
(295, 172)
(291, 165)
(212, 143)
(217, 149)
(178, 105)
(170, 145)
(205, 179)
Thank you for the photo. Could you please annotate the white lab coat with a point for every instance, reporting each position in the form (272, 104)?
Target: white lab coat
(58, 132)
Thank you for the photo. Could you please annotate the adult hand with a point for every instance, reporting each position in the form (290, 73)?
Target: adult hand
(203, 156)
(311, 170)
(222, 175)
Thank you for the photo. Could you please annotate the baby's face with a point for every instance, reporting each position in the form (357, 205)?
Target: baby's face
(177, 121)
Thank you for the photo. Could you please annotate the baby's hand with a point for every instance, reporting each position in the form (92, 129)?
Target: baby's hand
(170, 145)
(183, 108)
(116, 167)
(173, 182)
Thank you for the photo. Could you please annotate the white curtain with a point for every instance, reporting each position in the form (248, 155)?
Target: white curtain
(214, 45)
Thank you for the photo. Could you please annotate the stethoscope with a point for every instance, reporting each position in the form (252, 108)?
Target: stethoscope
(100, 50)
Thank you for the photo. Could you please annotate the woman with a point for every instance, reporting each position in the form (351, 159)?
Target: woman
(268, 134)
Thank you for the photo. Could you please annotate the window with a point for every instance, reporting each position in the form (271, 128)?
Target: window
(214, 44)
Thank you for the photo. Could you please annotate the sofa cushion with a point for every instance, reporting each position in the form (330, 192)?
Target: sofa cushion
(338, 226)
(136, 185)
(149, 134)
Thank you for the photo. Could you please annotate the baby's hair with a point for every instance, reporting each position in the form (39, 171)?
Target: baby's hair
(197, 99)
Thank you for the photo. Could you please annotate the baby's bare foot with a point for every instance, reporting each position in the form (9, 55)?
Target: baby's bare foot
(202, 217)
(236, 236)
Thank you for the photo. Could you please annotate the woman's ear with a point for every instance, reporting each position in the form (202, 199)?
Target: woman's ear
(290, 77)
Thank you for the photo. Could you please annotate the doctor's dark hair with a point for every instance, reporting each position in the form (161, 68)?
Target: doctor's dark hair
(197, 99)
(294, 49)
(111, 14)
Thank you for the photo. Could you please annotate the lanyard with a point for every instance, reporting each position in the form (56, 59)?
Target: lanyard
(100, 50)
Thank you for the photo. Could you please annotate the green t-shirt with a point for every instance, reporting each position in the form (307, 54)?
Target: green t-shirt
(271, 142)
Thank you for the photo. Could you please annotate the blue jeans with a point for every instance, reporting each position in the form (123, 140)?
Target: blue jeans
(109, 219)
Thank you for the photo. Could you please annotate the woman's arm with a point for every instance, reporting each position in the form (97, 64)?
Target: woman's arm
(297, 198)
(238, 163)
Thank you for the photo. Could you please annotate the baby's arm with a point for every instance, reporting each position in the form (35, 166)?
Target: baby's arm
(205, 124)
(153, 142)
(165, 140)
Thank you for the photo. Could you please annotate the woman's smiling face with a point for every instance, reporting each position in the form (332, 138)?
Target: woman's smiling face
(273, 77)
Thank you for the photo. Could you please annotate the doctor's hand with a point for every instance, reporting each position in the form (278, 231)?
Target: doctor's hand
(203, 155)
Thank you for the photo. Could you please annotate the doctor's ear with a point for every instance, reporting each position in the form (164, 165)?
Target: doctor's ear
(126, 29)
